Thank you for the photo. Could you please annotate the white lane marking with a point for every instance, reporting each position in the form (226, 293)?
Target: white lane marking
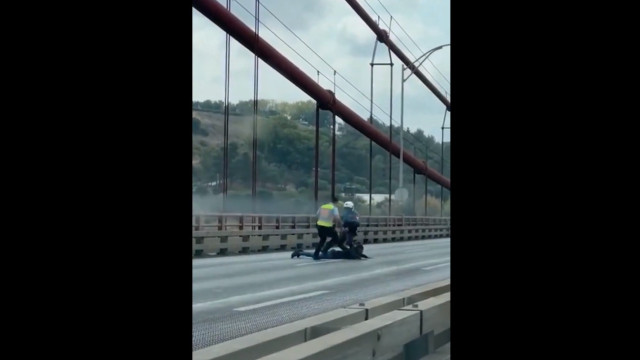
(311, 285)
(277, 301)
(435, 266)
(318, 262)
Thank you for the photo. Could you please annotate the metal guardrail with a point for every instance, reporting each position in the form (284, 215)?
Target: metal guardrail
(244, 233)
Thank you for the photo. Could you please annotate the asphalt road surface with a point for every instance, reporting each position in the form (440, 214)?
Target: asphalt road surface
(238, 295)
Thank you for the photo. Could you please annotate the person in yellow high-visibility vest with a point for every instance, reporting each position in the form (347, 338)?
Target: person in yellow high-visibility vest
(327, 214)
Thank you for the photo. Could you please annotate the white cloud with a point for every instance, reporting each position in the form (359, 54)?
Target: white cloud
(341, 38)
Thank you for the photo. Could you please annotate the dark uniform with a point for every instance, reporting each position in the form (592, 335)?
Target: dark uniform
(350, 224)
(354, 253)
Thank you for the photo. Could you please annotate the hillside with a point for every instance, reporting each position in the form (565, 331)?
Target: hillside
(240, 129)
(285, 153)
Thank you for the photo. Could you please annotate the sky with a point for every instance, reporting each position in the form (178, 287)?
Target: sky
(345, 44)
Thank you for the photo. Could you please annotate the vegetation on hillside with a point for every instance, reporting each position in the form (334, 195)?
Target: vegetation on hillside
(285, 159)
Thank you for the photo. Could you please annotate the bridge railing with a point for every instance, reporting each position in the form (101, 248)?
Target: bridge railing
(244, 233)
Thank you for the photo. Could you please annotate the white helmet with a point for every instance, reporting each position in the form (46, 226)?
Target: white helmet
(348, 205)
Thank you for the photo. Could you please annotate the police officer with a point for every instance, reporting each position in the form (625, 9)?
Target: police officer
(350, 223)
(327, 214)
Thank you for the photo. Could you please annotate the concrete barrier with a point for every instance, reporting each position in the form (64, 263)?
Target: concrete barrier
(388, 303)
(382, 336)
(268, 341)
(435, 323)
(398, 334)
(406, 323)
